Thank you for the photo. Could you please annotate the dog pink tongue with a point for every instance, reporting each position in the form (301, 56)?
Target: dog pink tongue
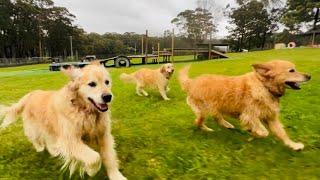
(103, 106)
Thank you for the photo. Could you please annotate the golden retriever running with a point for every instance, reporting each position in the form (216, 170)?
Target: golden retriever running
(154, 78)
(72, 121)
(253, 97)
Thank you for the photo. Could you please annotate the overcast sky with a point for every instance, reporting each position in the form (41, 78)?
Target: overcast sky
(132, 15)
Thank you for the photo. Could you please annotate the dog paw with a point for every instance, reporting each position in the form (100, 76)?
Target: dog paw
(296, 146)
(94, 165)
(227, 125)
(205, 128)
(38, 146)
(53, 151)
(167, 99)
(116, 176)
(260, 133)
(93, 169)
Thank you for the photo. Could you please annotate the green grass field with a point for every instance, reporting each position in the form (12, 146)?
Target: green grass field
(156, 139)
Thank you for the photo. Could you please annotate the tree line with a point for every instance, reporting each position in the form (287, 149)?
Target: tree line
(37, 28)
(253, 24)
(30, 28)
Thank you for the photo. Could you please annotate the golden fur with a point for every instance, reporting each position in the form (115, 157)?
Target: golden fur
(68, 124)
(153, 78)
(252, 97)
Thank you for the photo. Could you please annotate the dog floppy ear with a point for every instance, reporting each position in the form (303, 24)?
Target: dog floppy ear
(262, 69)
(71, 71)
(163, 69)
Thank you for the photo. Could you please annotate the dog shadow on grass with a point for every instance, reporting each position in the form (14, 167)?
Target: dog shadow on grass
(233, 138)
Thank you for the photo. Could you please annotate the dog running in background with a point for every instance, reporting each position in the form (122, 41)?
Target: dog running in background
(72, 121)
(153, 78)
(253, 97)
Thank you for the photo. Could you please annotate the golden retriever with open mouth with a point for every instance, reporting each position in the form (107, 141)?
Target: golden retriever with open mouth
(253, 97)
(72, 121)
(154, 78)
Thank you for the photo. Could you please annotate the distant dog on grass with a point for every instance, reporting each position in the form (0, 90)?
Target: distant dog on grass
(253, 97)
(154, 78)
(72, 121)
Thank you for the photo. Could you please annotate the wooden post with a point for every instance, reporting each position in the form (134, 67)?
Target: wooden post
(135, 48)
(142, 46)
(40, 44)
(195, 56)
(40, 49)
(158, 52)
(146, 50)
(71, 48)
(209, 55)
(77, 55)
(313, 37)
(172, 46)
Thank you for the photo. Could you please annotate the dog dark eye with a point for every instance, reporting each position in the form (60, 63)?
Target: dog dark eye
(107, 82)
(292, 70)
(92, 84)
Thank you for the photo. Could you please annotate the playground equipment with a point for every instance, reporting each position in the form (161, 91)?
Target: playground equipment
(206, 51)
(126, 60)
(291, 45)
(201, 51)
(280, 46)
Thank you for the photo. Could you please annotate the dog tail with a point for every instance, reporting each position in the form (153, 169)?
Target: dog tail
(127, 78)
(184, 78)
(11, 113)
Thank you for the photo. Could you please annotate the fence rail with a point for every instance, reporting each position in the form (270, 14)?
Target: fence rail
(7, 62)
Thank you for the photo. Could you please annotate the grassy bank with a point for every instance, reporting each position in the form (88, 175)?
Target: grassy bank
(156, 139)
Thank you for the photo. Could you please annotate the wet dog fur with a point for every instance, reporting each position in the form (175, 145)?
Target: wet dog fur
(73, 122)
(253, 97)
(153, 78)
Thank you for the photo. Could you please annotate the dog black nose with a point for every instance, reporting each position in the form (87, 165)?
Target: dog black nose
(106, 97)
(308, 76)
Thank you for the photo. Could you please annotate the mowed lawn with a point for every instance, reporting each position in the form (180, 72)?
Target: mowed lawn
(156, 139)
